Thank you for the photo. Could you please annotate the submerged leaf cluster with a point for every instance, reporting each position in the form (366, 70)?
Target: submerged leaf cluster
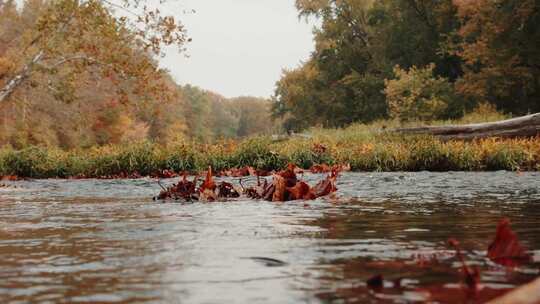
(283, 186)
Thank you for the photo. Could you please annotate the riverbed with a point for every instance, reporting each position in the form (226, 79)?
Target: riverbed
(107, 241)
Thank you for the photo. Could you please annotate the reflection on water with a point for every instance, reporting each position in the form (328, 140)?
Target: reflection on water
(106, 241)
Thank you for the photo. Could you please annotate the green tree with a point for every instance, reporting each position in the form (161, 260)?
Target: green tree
(197, 113)
(356, 48)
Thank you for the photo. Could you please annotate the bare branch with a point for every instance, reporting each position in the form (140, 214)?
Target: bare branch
(65, 60)
(12, 84)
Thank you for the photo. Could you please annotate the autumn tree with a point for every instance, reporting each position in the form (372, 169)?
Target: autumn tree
(68, 61)
(499, 42)
(86, 36)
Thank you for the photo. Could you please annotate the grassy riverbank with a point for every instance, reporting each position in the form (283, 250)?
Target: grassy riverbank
(363, 147)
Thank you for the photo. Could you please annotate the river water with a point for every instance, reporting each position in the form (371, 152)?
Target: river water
(106, 241)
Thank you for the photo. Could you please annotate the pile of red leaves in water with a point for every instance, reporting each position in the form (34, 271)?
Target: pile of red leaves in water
(284, 186)
(504, 250)
(208, 191)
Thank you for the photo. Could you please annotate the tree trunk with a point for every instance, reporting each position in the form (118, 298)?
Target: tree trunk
(525, 126)
(18, 79)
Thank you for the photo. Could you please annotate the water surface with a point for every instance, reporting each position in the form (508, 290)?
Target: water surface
(80, 241)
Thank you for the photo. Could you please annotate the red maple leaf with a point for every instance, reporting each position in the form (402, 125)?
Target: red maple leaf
(505, 248)
(208, 183)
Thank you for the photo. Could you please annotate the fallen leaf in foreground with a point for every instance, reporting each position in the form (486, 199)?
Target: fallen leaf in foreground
(505, 248)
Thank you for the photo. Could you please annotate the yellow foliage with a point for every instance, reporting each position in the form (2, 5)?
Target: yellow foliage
(176, 132)
(417, 95)
(484, 112)
(135, 132)
(5, 66)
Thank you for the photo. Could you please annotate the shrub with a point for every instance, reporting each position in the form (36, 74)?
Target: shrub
(418, 95)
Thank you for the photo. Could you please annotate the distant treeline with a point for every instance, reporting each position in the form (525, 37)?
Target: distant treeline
(413, 60)
(89, 78)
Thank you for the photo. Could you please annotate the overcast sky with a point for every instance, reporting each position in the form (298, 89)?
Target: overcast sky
(239, 46)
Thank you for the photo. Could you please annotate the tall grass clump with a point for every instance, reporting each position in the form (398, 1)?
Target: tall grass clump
(364, 147)
(306, 152)
(220, 156)
(507, 155)
(428, 154)
(36, 162)
(257, 152)
(177, 157)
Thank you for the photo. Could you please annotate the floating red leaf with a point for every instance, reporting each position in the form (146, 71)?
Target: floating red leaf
(301, 191)
(289, 175)
(326, 186)
(208, 183)
(280, 185)
(505, 248)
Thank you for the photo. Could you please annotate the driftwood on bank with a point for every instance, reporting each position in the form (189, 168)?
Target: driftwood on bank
(525, 126)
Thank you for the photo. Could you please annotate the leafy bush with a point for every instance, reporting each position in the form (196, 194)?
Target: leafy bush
(418, 95)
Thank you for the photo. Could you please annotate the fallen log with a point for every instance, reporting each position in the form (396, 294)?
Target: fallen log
(525, 126)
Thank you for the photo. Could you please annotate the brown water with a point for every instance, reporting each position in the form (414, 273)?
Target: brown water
(108, 242)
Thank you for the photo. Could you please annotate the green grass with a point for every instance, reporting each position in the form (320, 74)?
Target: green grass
(360, 146)
(364, 147)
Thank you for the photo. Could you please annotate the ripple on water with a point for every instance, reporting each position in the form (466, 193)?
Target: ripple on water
(106, 241)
